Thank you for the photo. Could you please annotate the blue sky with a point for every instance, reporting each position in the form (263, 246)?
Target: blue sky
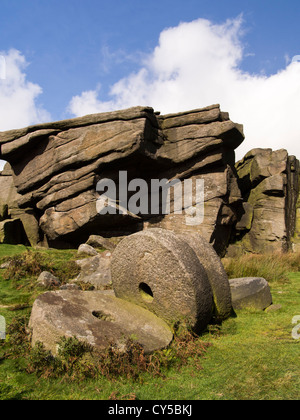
(71, 57)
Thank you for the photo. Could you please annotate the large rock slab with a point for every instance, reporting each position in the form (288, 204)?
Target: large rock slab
(160, 272)
(250, 293)
(97, 318)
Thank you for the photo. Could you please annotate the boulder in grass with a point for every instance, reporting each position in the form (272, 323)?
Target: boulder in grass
(85, 249)
(250, 293)
(47, 279)
(98, 241)
(97, 318)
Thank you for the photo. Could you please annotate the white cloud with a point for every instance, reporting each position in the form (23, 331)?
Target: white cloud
(197, 64)
(88, 103)
(18, 95)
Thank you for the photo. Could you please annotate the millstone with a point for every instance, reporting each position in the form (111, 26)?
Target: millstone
(160, 272)
(96, 317)
(215, 271)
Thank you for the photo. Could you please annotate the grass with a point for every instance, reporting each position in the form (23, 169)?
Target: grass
(250, 356)
(18, 288)
(272, 267)
(11, 250)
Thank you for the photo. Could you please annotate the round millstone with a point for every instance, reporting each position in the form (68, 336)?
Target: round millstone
(160, 272)
(215, 272)
(97, 318)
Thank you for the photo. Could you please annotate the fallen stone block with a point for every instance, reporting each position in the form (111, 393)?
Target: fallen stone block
(85, 249)
(250, 293)
(215, 272)
(96, 270)
(97, 318)
(274, 307)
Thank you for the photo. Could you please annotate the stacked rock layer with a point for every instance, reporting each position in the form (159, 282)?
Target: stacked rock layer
(49, 187)
(269, 183)
(56, 168)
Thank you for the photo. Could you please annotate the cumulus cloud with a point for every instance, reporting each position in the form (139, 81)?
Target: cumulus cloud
(17, 94)
(88, 103)
(199, 63)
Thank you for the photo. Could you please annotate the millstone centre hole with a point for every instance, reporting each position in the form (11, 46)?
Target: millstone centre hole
(102, 316)
(146, 292)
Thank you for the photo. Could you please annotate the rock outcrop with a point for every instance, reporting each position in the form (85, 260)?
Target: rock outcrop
(17, 226)
(56, 167)
(269, 184)
(50, 193)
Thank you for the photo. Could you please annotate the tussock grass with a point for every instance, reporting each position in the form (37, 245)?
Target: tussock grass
(77, 360)
(18, 285)
(272, 267)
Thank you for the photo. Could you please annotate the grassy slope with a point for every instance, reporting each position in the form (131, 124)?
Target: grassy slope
(253, 356)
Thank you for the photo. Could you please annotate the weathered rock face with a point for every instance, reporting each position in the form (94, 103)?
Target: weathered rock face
(56, 167)
(50, 196)
(201, 145)
(17, 226)
(268, 181)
